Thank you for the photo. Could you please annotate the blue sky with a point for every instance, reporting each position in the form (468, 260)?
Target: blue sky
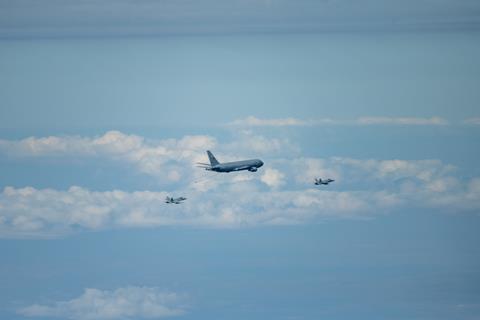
(106, 107)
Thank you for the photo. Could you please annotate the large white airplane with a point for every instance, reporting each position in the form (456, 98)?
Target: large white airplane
(250, 165)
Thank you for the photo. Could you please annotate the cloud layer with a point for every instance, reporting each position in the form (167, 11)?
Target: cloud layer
(282, 192)
(29, 212)
(149, 157)
(252, 121)
(168, 160)
(433, 121)
(122, 303)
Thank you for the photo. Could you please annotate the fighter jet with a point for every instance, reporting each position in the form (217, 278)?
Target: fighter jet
(250, 165)
(319, 181)
(175, 200)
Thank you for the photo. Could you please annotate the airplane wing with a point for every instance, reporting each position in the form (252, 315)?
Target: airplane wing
(242, 168)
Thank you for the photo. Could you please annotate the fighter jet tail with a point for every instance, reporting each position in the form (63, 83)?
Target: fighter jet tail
(213, 160)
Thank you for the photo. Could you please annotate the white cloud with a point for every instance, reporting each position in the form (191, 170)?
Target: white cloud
(169, 160)
(252, 121)
(414, 183)
(249, 142)
(282, 192)
(123, 303)
(30, 212)
(150, 157)
(273, 178)
(434, 121)
(368, 172)
(306, 169)
(474, 121)
(367, 187)
(424, 170)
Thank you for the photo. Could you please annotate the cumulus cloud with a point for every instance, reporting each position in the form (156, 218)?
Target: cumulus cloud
(281, 192)
(433, 121)
(306, 169)
(122, 303)
(363, 188)
(273, 178)
(368, 172)
(169, 160)
(30, 212)
(150, 157)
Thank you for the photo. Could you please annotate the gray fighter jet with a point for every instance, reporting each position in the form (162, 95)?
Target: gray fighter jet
(250, 165)
(319, 181)
(175, 200)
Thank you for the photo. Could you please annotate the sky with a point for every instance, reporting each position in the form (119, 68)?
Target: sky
(105, 107)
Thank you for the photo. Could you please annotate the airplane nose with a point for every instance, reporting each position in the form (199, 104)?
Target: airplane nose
(260, 163)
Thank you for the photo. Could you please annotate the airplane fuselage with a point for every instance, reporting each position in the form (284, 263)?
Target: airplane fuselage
(175, 200)
(250, 165)
(323, 182)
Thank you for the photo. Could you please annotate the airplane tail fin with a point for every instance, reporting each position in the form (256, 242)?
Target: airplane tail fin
(211, 157)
